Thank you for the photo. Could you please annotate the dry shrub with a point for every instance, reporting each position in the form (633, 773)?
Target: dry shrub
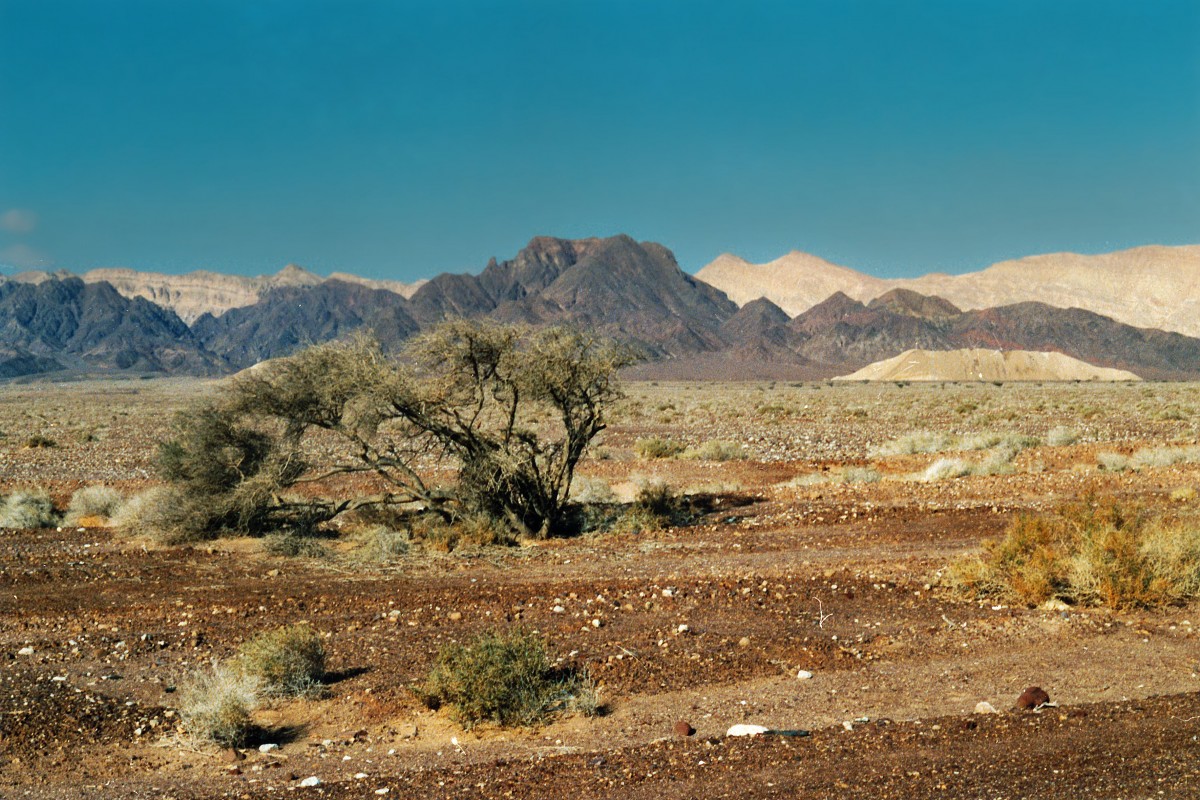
(655, 447)
(1095, 552)
(476, 530)
(1061, 436)
(163, 513)
(285, 662)
(30, 508)
(92, 503)
(589, 491)
(505, 677)
(381, 544)
(215, 706)
(717, 451)
(945, 468)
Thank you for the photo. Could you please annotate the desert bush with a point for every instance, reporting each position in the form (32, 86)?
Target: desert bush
(381, 543)
(655, 506)
(1095, 552)
(654, 447)
(28, 509)
(1165, 456)
(95, 502)
(945, 468)
(717, 451)
(913, 443)
(1112, 462)
(295, 544)
(859, 475)
(1061, 436)
(285, 662)
(215, 706)
(38, 441)
(511, 410)
(473, 530)
(504, 677)
(592, 490)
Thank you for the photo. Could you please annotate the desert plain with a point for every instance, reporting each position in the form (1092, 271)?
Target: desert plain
(805, 588)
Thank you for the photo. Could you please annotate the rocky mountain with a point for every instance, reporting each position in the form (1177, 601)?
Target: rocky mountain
(984, 365)
(288, 318)
(58, 324)
(844, 335)
(615, 285)
(201, 292)
(1152, 287)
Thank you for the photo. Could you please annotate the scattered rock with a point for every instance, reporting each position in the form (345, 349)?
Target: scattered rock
(683, 729)
(408, 730)
(1032, 697)
(233, 769)
(455, 616)
(267, 748)
(743, 729)
(25, 651)
(984, 707)
(744, 641)
(232, 755)
(559, 610)
(311, 781)
(847, 724)
(682, 629)
(804, 675)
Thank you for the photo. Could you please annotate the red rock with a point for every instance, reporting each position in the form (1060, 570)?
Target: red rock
(232, 755)
(1032, 697)
(683, 729)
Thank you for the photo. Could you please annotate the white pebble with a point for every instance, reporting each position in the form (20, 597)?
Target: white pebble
(25, 651)
(311, 781)
(804, 675)
(267, 748)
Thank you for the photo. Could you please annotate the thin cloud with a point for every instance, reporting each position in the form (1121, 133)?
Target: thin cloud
(22, 256)
(18, 220)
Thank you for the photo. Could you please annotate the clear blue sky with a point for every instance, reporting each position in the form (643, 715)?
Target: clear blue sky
(399, 139)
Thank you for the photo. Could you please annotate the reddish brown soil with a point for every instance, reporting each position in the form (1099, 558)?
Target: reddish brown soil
(841, 580)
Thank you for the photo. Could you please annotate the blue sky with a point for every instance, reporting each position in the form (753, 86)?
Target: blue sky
(400, 139)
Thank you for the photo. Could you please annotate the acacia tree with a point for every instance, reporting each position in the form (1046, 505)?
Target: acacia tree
(513, 409)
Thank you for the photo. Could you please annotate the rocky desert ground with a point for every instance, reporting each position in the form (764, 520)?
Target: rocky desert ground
(806, 590)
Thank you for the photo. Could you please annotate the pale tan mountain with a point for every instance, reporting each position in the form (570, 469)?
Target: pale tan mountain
(1148, 287)
(405, 290)
(196, 293)
(985, 365)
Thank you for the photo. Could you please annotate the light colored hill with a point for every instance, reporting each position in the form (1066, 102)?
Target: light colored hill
(985, 365)
(1148, 287)
(196, 293)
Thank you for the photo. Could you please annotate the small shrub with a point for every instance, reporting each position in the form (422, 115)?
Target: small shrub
(655, 506)
(1112, 462)
(945, 468)
(658, 448)
(28, 509)
(94, 502)
(38, 441)
(860, 475)
(1096, 552)
(717, 451)
(285, 662)
(295, 544)
(1183, 494)
(1061, 436)
(215, 706)
(471, 531)
(913, 443)
(590, 491)
(381, 543)
(506, 678)
(165, 514)
(1165, 456)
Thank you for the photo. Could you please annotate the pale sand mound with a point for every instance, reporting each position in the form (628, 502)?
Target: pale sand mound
(985, 365)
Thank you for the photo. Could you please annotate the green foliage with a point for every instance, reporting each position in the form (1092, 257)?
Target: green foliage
(285, 662)
(506, 678)
(1096, 552)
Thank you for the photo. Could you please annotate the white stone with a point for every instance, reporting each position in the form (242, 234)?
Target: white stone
(984, 707)
(847, 724)
(559, 610)
(25, 651)
(267, 748)
(743, 729)
(682, 629)
(804, 675)
(311, 781)
(358, 776)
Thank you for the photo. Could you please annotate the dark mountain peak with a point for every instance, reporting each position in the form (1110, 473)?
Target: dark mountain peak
(833, 309)
(914, 304)
(761, 312)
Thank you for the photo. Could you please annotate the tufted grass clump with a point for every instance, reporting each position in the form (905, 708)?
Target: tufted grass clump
(215, 706)
(93, 503)
(285, 662)
(716, 450)
(655, 447)
(28, 508)
(1097, 552)
(505, 677)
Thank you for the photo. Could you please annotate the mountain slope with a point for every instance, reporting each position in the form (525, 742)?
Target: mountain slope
(1152, 286)
(84, 326)
(289, 318)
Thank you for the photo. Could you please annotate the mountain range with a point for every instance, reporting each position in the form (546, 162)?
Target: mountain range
(799, 317)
